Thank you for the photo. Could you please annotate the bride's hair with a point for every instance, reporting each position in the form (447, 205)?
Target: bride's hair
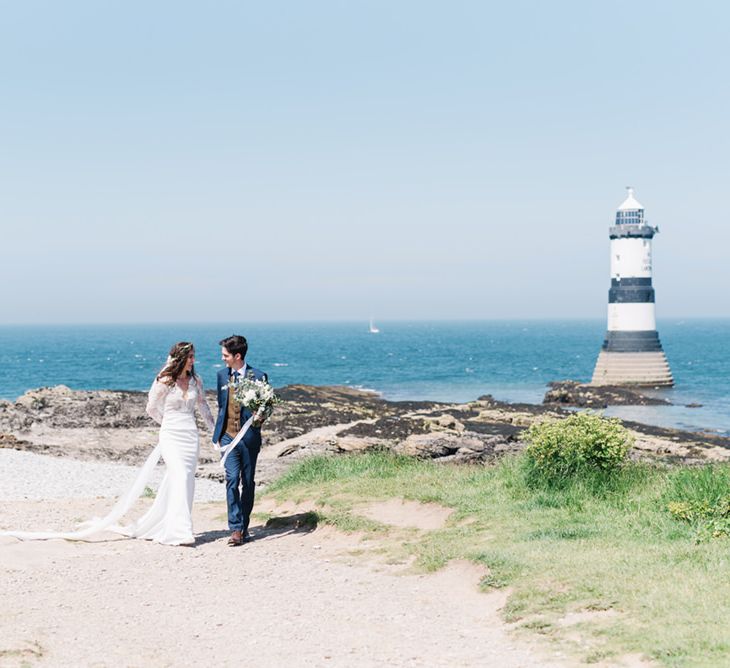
(173, 369)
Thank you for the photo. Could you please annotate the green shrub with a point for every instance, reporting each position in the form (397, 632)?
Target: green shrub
(700, 496)
(583, 443)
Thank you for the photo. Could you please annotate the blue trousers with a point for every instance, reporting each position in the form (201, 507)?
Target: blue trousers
(240, 470)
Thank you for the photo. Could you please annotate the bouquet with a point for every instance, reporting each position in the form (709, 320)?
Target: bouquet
(256, 396)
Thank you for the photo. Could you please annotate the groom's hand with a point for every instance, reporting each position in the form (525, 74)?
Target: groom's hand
(258, 419)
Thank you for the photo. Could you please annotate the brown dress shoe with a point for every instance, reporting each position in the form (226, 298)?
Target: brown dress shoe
(235, 539)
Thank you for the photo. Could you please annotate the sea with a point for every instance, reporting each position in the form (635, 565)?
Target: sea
(513, 360)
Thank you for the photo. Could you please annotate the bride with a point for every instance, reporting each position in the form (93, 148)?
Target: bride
(173, 397)
(175, 394)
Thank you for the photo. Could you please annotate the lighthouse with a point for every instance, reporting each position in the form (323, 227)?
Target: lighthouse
(631, 353)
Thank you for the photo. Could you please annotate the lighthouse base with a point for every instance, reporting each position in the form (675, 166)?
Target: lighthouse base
(645, 369)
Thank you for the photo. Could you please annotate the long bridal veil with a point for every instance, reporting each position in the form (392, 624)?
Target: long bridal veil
(109, 522)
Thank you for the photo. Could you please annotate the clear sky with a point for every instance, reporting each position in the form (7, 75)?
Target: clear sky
(210, 161)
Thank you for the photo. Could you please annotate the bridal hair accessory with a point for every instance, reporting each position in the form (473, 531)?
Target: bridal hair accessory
(180, 351)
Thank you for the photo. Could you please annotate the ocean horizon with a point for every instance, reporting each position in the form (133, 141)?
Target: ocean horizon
(453, 361)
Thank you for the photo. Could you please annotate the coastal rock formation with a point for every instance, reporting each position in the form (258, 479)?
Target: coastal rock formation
(64, 408)
(340, 419)
(571, 393)
(86, 425)
(112, 426)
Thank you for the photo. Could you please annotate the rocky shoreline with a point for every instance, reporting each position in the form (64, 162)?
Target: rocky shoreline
(571, 393)
(111, 426)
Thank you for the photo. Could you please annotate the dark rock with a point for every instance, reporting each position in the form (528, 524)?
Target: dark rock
(391, 427)
(509, 432)
(571, 393)
(306, 407)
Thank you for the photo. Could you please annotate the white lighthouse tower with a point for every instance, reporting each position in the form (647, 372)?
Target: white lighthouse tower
(632, 353)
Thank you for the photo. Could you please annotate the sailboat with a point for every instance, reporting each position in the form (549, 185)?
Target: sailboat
(373, 329)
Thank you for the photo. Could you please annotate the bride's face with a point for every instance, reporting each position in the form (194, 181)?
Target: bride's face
(189, 362)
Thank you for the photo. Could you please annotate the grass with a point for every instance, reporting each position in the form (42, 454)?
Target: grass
(701, 497)
(710, 483)
(601, 543)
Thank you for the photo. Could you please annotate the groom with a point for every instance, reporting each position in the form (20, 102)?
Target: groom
(240, 466)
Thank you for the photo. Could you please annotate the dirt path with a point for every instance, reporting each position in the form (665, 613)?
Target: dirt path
(289, 598)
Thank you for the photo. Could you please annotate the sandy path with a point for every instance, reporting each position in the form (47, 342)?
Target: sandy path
(286, 599)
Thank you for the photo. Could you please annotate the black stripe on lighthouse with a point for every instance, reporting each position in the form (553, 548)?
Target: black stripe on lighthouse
(631, 291)
(631, 282)
(632, 342)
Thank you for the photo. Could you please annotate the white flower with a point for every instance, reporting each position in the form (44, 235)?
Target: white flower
(255, 395)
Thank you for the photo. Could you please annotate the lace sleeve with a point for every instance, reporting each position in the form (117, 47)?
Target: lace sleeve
(203, 405)
(156, 400)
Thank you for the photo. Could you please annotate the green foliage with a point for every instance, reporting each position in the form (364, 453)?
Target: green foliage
(600, 541)
(330, 468)
(349, 522)
(583, 444)
(503, 568)
(700, 496)
(709, 483)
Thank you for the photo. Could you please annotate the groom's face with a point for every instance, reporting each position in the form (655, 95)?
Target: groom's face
(231, 361)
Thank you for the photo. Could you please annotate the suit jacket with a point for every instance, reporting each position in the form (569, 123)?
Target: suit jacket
(253, 435)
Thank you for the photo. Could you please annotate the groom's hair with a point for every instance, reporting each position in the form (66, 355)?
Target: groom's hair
(235, 344)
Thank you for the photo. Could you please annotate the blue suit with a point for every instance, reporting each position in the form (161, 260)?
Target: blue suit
(240, 464)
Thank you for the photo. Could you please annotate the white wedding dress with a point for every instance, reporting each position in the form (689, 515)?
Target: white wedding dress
(168, 521)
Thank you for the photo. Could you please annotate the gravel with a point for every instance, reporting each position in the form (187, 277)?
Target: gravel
(32, 477)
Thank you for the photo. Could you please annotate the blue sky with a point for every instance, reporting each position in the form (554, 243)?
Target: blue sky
(179, 161)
